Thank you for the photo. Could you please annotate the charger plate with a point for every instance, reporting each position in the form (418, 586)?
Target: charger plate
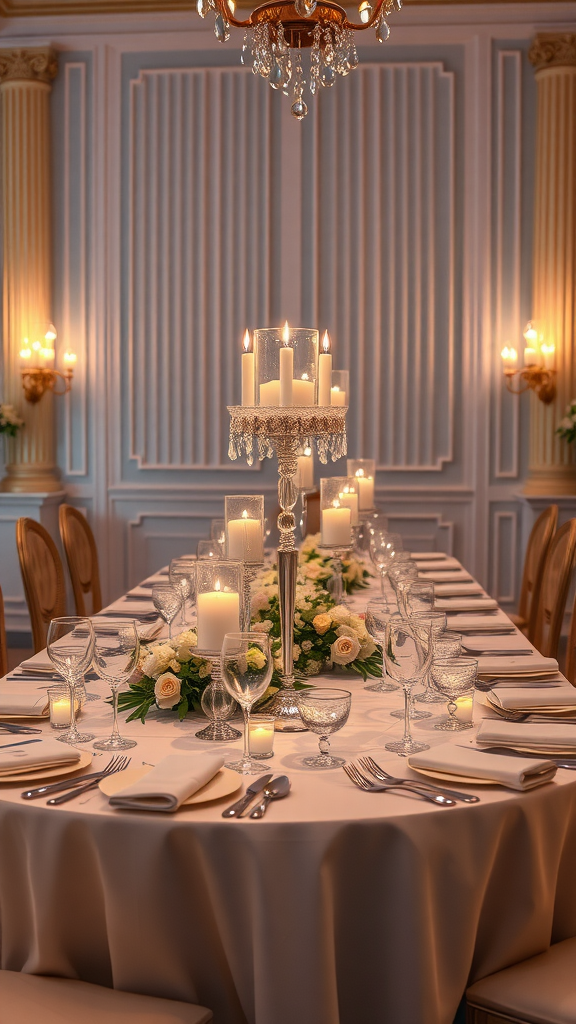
(49, 773)
(29, 718)
(223, 784)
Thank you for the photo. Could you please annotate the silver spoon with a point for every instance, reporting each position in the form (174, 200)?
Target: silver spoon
(275, 790)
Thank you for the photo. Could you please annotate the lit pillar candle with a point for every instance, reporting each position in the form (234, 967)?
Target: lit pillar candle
(509, 359)
(218, 613)
(60, 711)
(247, 371)
(286, 368)
(464, 708)
(304, 479)
(261, 736)
(245, 539)
(270, 393)
(325, 372)
(365, 486)
(336, 526)
(337, 397)
(349, 499)
(303, 391)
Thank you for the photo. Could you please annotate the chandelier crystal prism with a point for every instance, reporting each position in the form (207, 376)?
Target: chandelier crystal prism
(276, 34)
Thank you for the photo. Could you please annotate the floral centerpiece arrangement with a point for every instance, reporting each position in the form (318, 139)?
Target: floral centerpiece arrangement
(10, 421)
(567, 426)
(319, 566)
(170, 677)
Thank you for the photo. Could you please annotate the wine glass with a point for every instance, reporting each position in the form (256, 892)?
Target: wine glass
(208, 549)
(167, 601)
(116, 650)
(182, 575)
(70, 646)
(454, 678)
(246, 666)
(447, 645)
(383, 548)
(375, 620)
(218, 534)
(414, 595)
(408, 656)
(434, 623)
(323, 710)
(402, 572)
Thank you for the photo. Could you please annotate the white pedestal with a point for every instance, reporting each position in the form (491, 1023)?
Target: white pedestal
(42, 507)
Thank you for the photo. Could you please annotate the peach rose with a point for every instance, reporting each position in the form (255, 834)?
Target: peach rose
(167, 691)
(344, 650)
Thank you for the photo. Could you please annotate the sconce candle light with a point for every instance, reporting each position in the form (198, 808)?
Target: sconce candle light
(37, 367)
(537, 373)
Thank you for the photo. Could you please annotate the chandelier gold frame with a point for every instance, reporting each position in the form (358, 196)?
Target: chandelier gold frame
(532, 378)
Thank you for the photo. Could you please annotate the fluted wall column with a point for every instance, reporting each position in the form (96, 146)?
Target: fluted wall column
(25, 83)
(551, 468)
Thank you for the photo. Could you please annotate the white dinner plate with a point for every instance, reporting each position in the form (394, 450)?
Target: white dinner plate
(49, 773)
(223, 784)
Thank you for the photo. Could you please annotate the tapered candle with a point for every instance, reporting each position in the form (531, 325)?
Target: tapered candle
(325, 372)
(247, 371)
(286, 368)
(245, 539)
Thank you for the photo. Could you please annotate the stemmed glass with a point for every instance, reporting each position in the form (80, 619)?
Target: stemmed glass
(182, 575)
(383, 548)
(414, 596)
(408, 656)
(432, 622)
(454, 677)
(218, 534)
(402, 571)
(167, 601)
(70, 646)
(116, 650)
(323, 710)
(377, 616)
(246, 666)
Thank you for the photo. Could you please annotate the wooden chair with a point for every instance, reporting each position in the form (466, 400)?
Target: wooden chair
(43, 577)
(3, 644)
(538, 545)
(32, 999)
(538, 991)
(554, 590)
(82, 559)
(570, 666)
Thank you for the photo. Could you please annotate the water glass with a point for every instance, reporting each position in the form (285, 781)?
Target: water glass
(167, 601)
(246, 665)
(116, 650)
(432, 623)
(414, 595)
(376, 618)
(383, 549)
(408, 655)
(454, 678)
(70, 646)
(323, 710)
(182, 575)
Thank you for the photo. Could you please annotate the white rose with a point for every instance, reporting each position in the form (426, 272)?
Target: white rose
(367, 650)
(344, 650)
(340, 614)
(346, 631)
(158, 660)
(260, 602)
(167, 691)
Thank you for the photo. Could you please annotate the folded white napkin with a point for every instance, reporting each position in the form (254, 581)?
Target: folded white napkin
(124, 608)
(151, 581)
(512, 772)
(445, 564)
(140, 594)
(39, 663)
(22, 703)
(539, 736)
(500, 665)
(551, 698)
(466, 604)
(461, 622)
(172, 781)
(46, 753)
(512, 642)
(441, 576)
(429, 556)
(457, 589)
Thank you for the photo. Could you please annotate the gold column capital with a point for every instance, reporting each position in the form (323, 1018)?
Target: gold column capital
(553, 50)
(32, 64)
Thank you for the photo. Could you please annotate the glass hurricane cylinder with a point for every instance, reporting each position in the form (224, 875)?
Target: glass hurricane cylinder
(286, 366)
(364, 470)
(244, 516)
(336, 512)
(218, 588)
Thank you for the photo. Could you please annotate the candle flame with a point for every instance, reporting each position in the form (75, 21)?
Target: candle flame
(335, 388)
(36, 345)
(305, 376)
(530, 332)
(70, 358)
(247, 343)
(245, 514)
(547, 350)
(286, 333)
(336, 503)
(25, 353)
(217, 585)
(359, 472)
(509, 353)
(308, 452)
(51, 334)
(326, 342)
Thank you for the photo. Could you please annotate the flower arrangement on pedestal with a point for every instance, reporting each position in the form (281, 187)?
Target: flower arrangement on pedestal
(567, 426)
(315, 565)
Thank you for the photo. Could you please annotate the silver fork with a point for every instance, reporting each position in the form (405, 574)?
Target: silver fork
(121, 764)
(370, 765)
(54, 787)
(362, 782)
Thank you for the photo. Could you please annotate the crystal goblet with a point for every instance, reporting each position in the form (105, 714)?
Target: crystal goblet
(376, 618)
(454, 678)
(116, 649)
(182, 575)
(246, 666)
(167, 601)
(408, 655)
(324, 710)
(70, 646)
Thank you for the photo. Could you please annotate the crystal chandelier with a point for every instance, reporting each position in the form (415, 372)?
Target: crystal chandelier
(277, 33)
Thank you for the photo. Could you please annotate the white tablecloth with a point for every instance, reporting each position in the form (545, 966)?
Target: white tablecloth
(338, 907)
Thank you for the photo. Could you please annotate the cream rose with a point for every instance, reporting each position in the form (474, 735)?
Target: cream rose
(167, 691)
(322, 623)
(344, 650)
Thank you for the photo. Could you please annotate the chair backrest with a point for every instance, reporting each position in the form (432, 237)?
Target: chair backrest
(538, 546)
(3, 645)
(554, 590)
(43, 577)
(570, 667)
(82, 558)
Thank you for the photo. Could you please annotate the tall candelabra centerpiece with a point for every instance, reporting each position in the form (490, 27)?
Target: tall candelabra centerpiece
(287, 409)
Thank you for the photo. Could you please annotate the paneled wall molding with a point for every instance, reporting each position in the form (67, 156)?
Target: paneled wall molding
(504, 557)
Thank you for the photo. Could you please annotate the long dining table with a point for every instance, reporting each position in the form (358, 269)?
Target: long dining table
(339, 906)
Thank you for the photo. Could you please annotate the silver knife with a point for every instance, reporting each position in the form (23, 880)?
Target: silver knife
(21, 743)
(236, 810)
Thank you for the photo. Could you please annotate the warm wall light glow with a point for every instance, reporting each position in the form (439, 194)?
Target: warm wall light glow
(531, 334)
(51, 334)
(509, 358)
(26, 353)
(326, 342)
(365, 11)
(286, 333)
(70, 359)
(548, 353)
(247, 342)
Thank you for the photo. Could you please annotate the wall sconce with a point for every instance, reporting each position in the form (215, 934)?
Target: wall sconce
(37, 367)
(537, 373)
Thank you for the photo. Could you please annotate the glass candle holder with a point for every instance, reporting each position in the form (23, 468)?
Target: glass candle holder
(244, 516)
(262, 736)
(340, 388)
(364, 470)
(218, 533)
(59, 700)
(336, 511)
(218, 589)
(286, 366)
(304, 479)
